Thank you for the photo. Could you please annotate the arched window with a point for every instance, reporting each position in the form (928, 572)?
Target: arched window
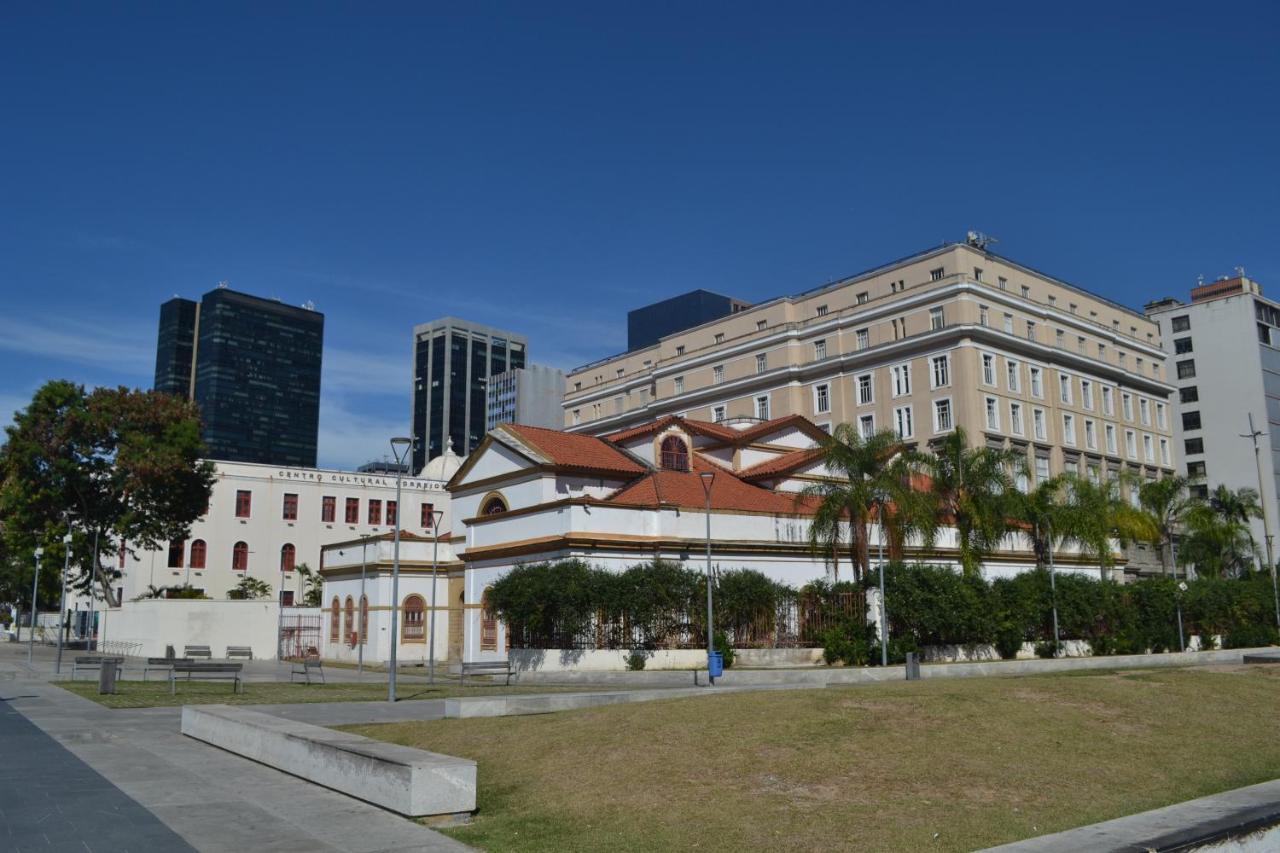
(198, 551)
(349, 623)
(240, 557)
(287, 556)
(364, 619)
(335, 611)
(674, 453)
(488, 626)
(412, 627)
(494, 505)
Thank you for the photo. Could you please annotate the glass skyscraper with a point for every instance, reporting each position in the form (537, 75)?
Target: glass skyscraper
(253, 367)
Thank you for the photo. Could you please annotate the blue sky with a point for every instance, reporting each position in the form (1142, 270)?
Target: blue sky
(545, 167)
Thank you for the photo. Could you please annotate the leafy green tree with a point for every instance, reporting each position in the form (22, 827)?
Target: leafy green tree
(1042, 512)
(250, 588)
(1096, 516)
(1216, 545)
(1167, 502)
(1239, 507)
(117, 466)
(312, 585)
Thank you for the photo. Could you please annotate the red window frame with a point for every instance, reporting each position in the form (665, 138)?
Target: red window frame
(428, 516)
(199, 552)
(328, 508)
(240, 557)
(335, 609)
(674, 454)
(289, 507)
(288, 557)
(392, 511)
(375, 511)
(244, 503)
(176, 547)
(353, 511)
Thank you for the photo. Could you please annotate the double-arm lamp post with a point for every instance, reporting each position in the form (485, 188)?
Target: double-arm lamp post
(708, 477)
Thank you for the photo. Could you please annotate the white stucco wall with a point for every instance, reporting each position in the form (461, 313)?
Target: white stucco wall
(154, 624)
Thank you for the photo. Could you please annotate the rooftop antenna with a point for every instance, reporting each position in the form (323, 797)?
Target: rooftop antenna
(1200, 280)
(224, 284)
(1240, 271)
(979, 240)
(309, 305)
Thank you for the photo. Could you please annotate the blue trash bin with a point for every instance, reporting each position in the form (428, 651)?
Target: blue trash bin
(715, 664)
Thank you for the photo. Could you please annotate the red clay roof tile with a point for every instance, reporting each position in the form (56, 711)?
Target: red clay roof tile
(572, 450)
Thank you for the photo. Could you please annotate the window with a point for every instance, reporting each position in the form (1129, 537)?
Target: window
(1080, 345)
(240, 556)
(762, 407)
(1026, 292)
(719, 337)
(680, 349)
(426, 517)
(717, 414)
(364, 619)
(940, 375)
(1015, 418)
(863, 338)
(1126, 406)
(1110, 432)
(494, 506)
(349, 620)
(1122, 358)
(375, 511)
(1187, 369)
(762, 362)
(1191, 420)
(393, 512)
(1053, 300)
(577, 416)
(1013, 374)
(717, 374)
(412, 626)
(1102, 352)
(1191, 446)
(328, 508)
(1190, 394)
(1064, 389)
(678, 382)
(1059, 337)
(1144, 409)
(1068, 429)
(244, 503)
(1037, 383)
(901, 380)
(674, 454)
(936, 275)
(1042, 469)
(942, 415)
(176, 548)
(1108, 402)
(1131, 444)
(867, 426)
(1181, 324)
(866, 390)
(288, 554)
(1164, 451)
(1197, 471)
(822, 399)
(993, 414)
(352, 515)
(1031, 330)
(289, 510)
(936, 319)
(761, 324)
(1090, 435)
(902, 422)
(1073, 308)
(982, 315)
(1183, 345)
(618, 403)
(335, 615)
(1086, 393)
(1008, 323)
(620, 372)
(199, 552)
(1148, 448)
(988, 369)
(820, 349)
(1038, 424)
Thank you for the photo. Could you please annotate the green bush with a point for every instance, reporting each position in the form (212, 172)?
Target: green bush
(1244, 636)
(723, 647)
(847, 642)
(636, 660)
(1009, 640)
(1048, 649)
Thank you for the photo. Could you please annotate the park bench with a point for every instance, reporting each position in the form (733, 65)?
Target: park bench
(485, 667)
(245, 652)
(305, 667)
(197, 652)
(94, 663)
(206, 671)
(162, 665)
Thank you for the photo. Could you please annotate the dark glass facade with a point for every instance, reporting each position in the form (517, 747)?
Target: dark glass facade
(257, 375)
(647, 325)
(175, 346)
(453, 360)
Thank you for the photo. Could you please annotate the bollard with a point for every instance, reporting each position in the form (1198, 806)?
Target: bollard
(913, 666)
(107, 677)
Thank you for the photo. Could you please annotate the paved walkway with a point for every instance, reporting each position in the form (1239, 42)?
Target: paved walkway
(137, 762)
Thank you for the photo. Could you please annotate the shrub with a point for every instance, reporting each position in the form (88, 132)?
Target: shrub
(636, 660)
(1048, 649)
(1008, 640)
(848, 642)
(1244, 636)
(722, 646)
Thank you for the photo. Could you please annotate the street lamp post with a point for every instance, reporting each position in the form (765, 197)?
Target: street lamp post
(1053, 591)
(400, 449)
(708, 478)
(62, 614)
(884, 610)
(436, 516)
(1177, 597)
(1254, 434)
(362, 614)
(35, 587)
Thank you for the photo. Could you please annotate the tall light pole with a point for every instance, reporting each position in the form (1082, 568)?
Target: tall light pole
(1053, 590)
(363, 610)
(62, 615)
(35, 587)
(708, 478)
(884, 610)
(1253, 434)
(436, 516)
(400, 449)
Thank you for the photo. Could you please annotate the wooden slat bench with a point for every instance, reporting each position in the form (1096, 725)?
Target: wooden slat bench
(486, 667)
(206, 671)
(240, 652)
(197, 652)
(306, 667)
(162, 665)
(94, 663)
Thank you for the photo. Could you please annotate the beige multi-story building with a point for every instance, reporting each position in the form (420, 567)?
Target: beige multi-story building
(953, 336)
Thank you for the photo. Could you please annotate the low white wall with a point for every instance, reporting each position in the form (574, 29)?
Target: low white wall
(615, 660)
(155, 623)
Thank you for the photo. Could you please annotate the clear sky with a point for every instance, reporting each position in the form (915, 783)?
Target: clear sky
(545, 167)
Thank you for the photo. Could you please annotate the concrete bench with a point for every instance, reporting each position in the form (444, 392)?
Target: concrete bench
(407, 781)
(308, 668)
(94, 663)
(206, 671)
(245, 652)
(162, 664)
(486, 667)
(197, 652)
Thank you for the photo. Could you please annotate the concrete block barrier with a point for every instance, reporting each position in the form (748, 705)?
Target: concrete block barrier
(408, 781)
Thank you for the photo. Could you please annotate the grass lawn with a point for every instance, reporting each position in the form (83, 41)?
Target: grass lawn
(148, 694)
(950, 764)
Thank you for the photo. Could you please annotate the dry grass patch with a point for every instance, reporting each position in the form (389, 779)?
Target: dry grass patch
(942, 765)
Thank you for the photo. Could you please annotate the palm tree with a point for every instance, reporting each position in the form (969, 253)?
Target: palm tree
(972, 488)
(1167, 502)
(1240, 506)
(1045, 516)
(1096, 514)
(1216, 545)
(863, 472)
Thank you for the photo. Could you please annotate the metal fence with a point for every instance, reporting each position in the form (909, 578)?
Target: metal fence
(299, 634)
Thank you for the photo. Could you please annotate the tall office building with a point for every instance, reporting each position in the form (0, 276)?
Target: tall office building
(453, 361)
(526, 395)
(1225, 347)
(253, 367)
(952, 336)
(647, 325)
